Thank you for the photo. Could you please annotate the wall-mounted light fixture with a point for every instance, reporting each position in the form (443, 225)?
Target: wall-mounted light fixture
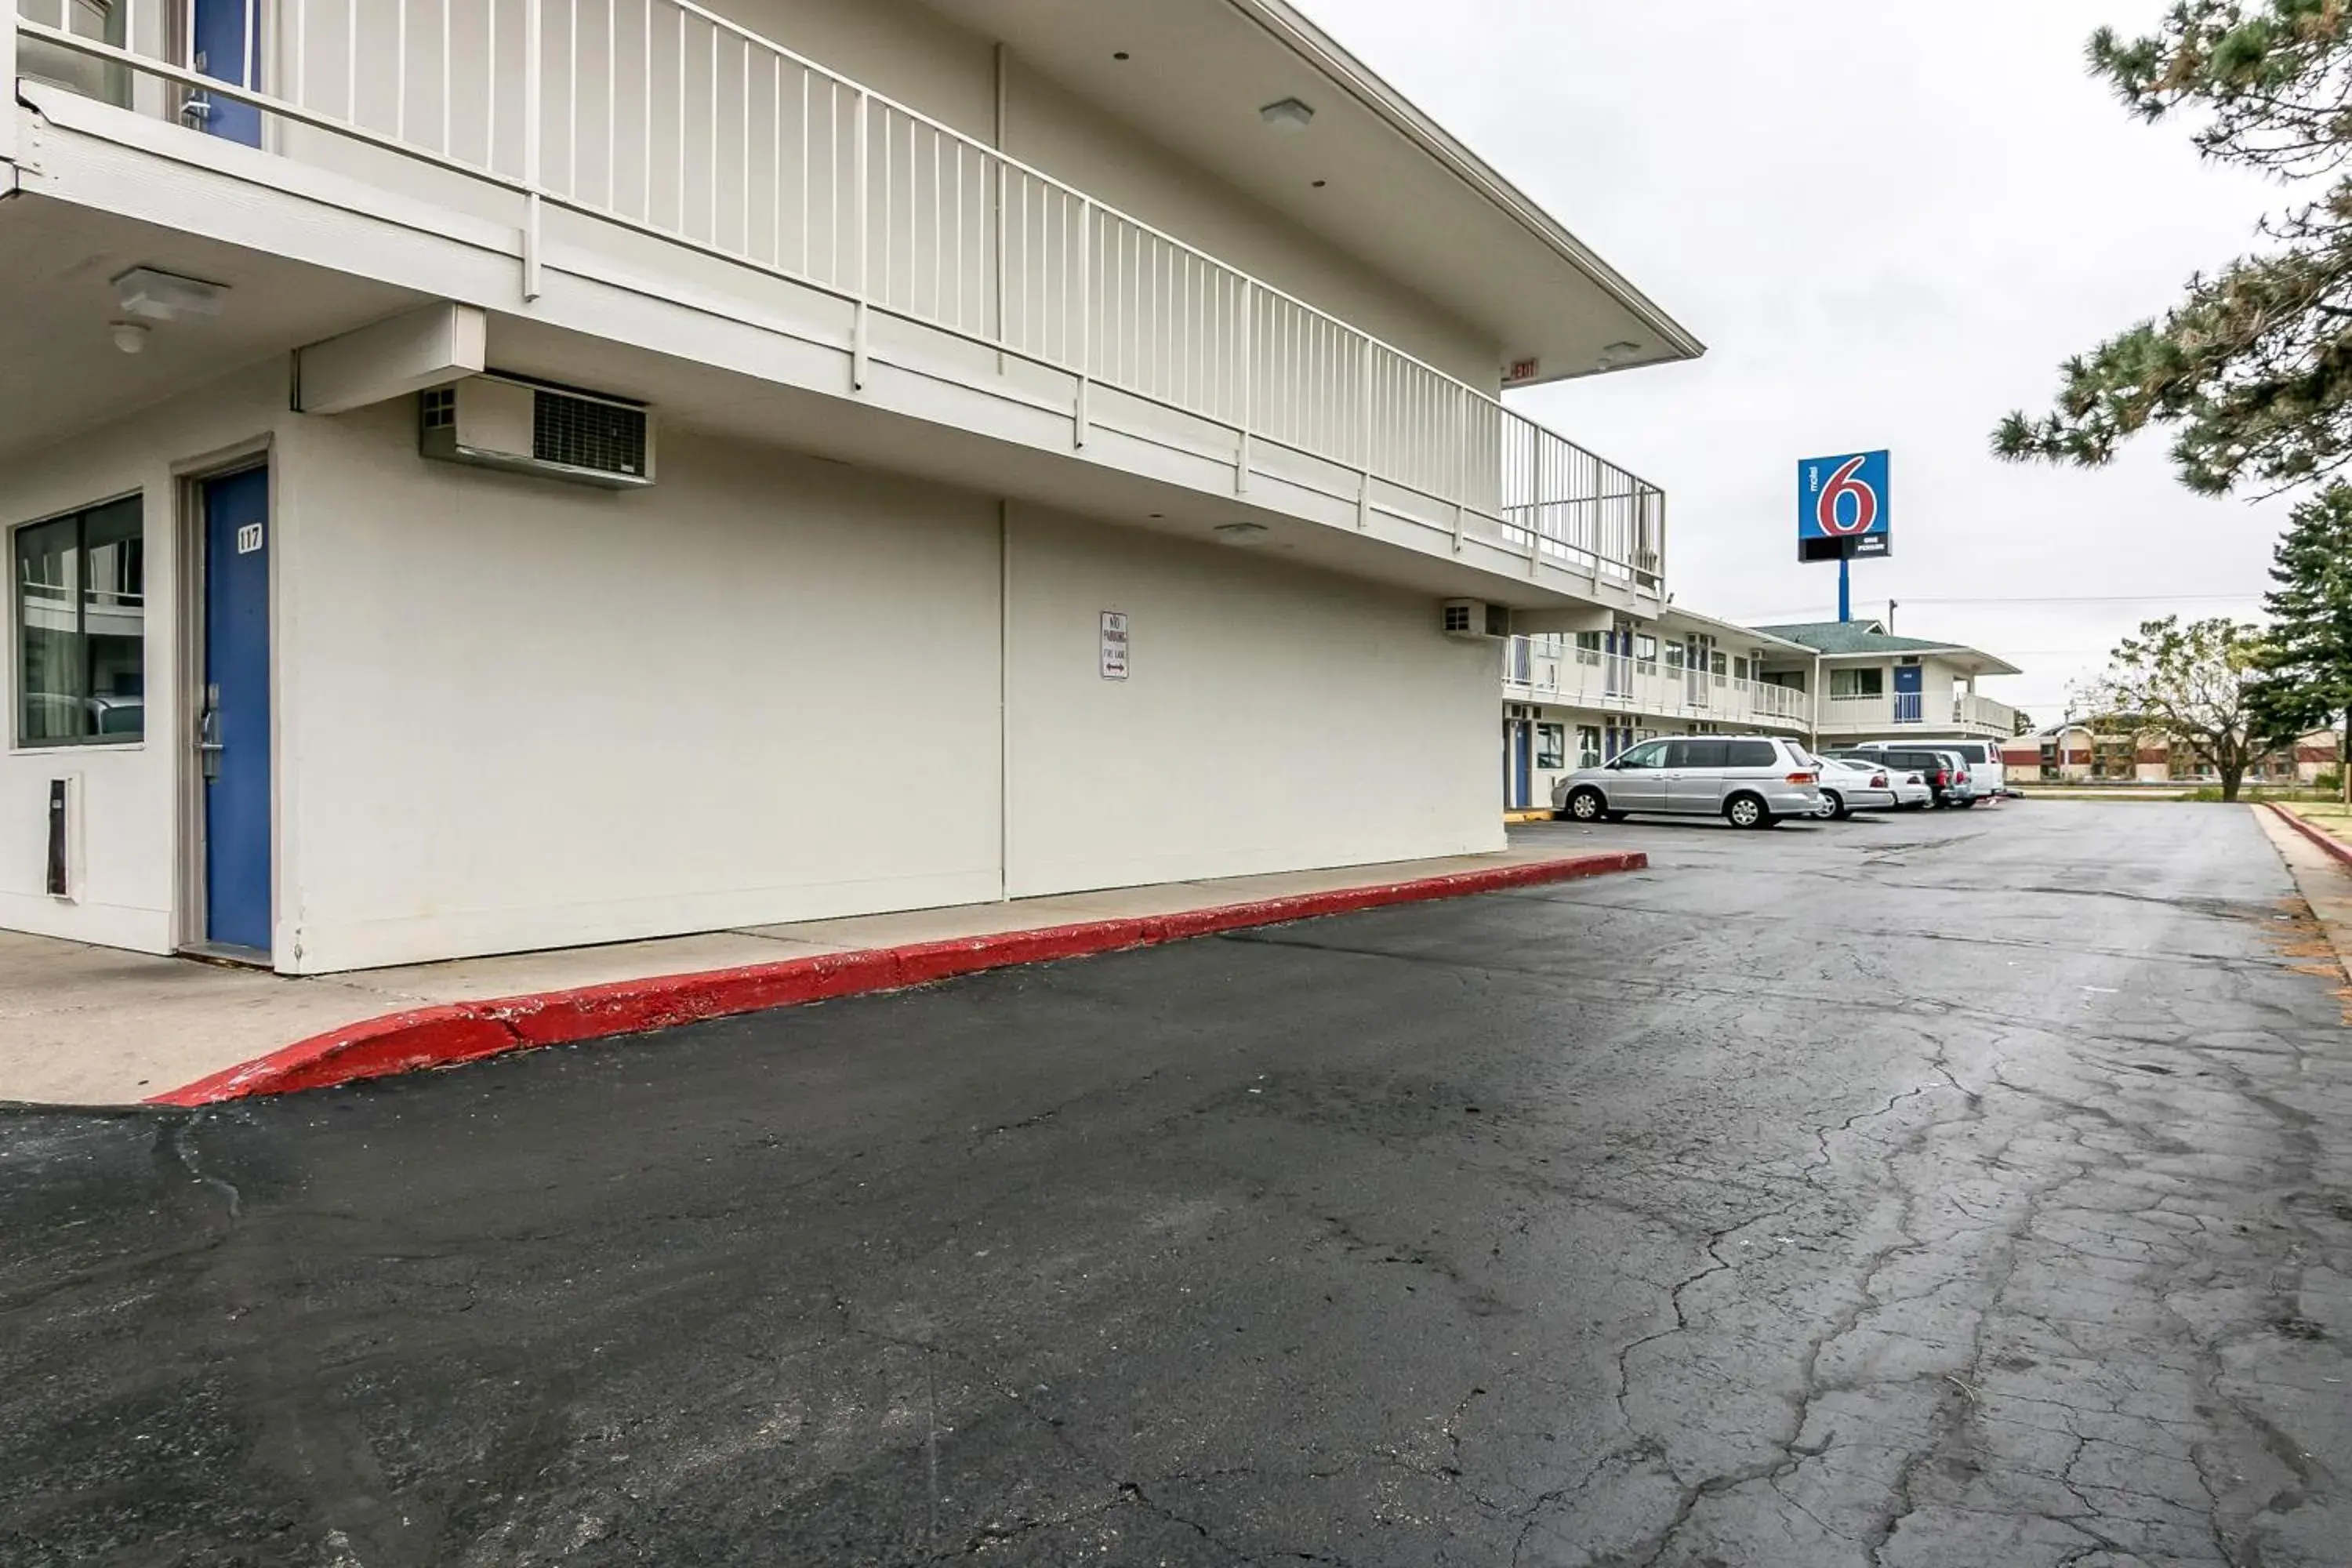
(155, 296)
(1289, 114)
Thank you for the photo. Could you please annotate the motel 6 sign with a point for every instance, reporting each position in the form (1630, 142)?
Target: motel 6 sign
(1842, 508)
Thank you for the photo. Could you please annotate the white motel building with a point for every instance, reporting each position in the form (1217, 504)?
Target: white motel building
(488, 475)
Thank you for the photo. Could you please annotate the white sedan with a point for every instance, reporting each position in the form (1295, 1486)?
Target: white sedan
(1912, 791)
(1851, 786)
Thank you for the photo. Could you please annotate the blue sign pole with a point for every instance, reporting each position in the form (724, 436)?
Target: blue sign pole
(1845, 589)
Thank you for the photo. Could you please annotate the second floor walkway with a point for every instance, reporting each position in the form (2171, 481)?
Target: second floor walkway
(1556, 670)
(659, 148)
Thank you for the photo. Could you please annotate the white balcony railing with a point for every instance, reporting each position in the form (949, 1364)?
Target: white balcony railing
(1973, 712)
(662, 118)
(1536, 670)
(1883, 711)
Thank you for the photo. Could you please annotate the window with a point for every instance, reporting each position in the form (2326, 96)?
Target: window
(1716, 667)
(1675, 655)
(1739, 668)
(1551, 745)
(1646, 650)
(1650, 754)
(1752, 754)
(81, 615)
(1588, 648)
(1588, 746)
(1857, 683)
(1698, 753)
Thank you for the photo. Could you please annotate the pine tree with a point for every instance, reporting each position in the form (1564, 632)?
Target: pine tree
(2253, 369)
(2307, 662)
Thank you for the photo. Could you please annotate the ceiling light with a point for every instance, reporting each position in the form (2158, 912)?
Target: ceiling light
(1616, 354)
(130, 337)
(1289, 114)
(1241, 533)
(165, 296)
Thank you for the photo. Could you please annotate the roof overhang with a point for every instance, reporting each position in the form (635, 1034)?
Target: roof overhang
(1403, 193)
(1974, 662)
(1732, 630)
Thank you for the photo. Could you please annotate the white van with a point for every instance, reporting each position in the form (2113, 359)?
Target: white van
(1983, 758)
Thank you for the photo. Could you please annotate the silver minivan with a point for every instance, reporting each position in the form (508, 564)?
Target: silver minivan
(1754, 781)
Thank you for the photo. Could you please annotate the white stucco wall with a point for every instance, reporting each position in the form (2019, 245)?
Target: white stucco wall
(520, 714)
(126, 839)
(1273, 718)
(524, 714)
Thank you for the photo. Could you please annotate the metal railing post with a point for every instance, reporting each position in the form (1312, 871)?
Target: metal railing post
(860, 326)
(1079, 414)
(1460, 414)
(1364, 478)
(531, 62)
(1535, 510)
(1249, 386)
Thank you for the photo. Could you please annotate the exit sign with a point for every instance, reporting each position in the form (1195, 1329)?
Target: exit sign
(1522, 370)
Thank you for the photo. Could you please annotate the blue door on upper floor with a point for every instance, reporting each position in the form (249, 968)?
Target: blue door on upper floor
(233, 731)
(1910, 700)
(226, 51)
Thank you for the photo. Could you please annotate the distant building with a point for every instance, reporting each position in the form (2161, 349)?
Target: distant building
(1576, 699)
(1874, 685)
(2083, 754)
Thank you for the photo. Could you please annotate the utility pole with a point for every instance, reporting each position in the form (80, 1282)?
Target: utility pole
(1892, 606)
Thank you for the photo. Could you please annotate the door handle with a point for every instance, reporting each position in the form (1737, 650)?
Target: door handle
(196, 109)
(209, 745)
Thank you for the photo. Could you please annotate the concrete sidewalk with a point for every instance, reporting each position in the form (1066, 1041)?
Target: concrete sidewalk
(85, 1025)
(2323, 881)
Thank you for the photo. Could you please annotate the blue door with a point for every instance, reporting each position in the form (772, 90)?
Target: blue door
(233, 731)
(1908, 689)
(225, 53)
(1523, 759)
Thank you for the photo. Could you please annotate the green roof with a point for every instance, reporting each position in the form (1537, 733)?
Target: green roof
(1839, 639)
(1855, 636)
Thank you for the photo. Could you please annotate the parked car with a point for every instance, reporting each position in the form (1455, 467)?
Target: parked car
(1753, 781)
(1944, 773)
(1985, 770)
(1850, 786)
(1980, 759)
(1910, 785)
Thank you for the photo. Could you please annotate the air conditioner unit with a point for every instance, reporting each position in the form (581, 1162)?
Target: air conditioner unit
(522, 426)
(1474, 620)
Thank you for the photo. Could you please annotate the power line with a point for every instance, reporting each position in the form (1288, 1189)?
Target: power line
(2103, 599)
(1907, 602)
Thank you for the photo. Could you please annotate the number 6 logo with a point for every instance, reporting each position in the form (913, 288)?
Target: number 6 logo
(1829, 512)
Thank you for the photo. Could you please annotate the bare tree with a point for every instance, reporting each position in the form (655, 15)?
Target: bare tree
(2195, 684)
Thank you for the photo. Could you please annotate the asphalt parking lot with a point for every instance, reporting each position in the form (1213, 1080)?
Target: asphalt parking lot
(1956, 1189)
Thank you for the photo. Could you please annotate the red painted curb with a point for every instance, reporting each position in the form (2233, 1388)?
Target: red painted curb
(2319, 835)
(468, 1031)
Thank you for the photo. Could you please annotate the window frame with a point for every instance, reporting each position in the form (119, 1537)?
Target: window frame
(19, 743)
(1854, 674)
(1551, 745)
(1646, 767)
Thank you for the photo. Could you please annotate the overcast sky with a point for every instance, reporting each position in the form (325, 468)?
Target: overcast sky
(1890, 223)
